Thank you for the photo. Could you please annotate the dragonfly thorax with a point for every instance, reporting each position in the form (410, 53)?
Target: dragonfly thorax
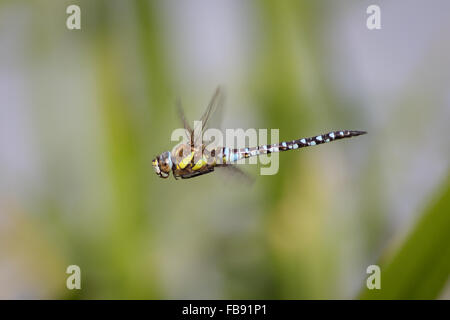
(162, 164)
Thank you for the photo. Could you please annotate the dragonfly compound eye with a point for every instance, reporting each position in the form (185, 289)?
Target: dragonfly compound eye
(155, 164)
(163, 165)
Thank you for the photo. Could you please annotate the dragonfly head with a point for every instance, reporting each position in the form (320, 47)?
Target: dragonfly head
(162, 164)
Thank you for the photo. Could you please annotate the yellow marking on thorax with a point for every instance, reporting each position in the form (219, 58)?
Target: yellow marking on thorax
(200, 163)
(183, 163)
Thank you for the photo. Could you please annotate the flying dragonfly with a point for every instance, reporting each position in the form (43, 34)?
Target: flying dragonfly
(193, 158)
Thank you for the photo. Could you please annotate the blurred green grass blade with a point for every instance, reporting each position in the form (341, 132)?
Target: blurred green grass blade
(420, 268)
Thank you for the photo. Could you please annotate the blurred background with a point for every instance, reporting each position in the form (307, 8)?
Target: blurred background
(83, 112)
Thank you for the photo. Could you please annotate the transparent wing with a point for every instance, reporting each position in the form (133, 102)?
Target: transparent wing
(215, 107)
(188, 130)
(235, 172)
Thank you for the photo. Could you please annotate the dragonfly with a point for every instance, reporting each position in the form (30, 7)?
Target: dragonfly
(192, 158)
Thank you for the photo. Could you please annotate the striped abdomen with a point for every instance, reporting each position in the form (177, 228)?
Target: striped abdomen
(232, 155)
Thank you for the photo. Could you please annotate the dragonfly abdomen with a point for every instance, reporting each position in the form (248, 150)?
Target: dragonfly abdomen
(233, 155)
(324, 138)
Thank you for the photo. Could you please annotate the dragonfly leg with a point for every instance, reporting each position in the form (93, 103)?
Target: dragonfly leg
(197, 173)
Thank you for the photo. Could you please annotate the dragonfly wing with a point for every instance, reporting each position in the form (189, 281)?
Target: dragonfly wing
(234, 171)
(214, 108)
(187, 127)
